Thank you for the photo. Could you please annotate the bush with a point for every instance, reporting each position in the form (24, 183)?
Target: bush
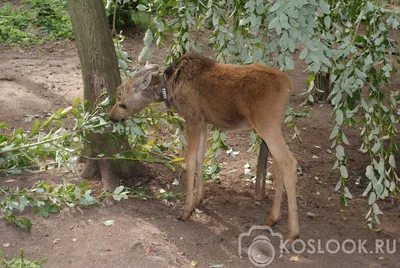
(35, 22)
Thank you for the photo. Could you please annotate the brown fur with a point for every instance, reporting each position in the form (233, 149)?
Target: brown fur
(228, 96)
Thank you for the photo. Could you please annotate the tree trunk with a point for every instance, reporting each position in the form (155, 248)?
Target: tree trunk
(100, 73)
(322, 82)
(259, 193)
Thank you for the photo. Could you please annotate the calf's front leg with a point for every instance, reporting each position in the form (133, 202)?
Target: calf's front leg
(192, 130)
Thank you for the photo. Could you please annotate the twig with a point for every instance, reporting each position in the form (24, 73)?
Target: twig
(29, 145)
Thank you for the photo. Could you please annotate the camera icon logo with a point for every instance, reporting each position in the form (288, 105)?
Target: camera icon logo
(261, 251)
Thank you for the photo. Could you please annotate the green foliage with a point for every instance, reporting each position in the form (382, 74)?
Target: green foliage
(20, 262)
(46, 140)
(347, 39)
(35, 22)
(211, 166)
(123, 192)
(52, 18)
(43, 198)
(51, 144)
(366, 60)
(122, 56)
(127, 14)
(46, 199)
(13, 26)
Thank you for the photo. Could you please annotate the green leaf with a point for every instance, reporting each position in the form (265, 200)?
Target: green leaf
(303, 53)
(370, 173)
(327, 22)
(360, 74)
(23, 223)
(275, 6)
(335, 132)
(148, 37)
(347, 193)
(343, 171)
(339, 117)
(338, 185)
(344, 139)
(141, 7)
(145, 54)
(340, 152)
(289, 63)
(392, 186)
(65, 111)
(376, 210)
(160, 25)
(34, 128)
(44, 213)
(109, 222)
(369, 187)
(105, 102)
(324, 7)
(284, 21)
(372, 198)
(177, 159)
(53, 208)
(76, 101)
(337, 98)
(122, 64)
(274, 23)
(364, 105)
(392, 162)
(376, 147)
(378, 41)
(378, 189)
(119, 189)
(310, 79)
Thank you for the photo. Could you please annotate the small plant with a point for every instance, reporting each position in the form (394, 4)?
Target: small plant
(212, 167)
(35, 22)
(52, 18)
(123, 192)
(20, 262)
(13, 26)
(51, 144)
(44, 199)
(127, 14)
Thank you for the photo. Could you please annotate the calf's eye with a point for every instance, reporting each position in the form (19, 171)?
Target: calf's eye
(123, 106)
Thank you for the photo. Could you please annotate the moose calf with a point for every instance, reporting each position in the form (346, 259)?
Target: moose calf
(228, 96)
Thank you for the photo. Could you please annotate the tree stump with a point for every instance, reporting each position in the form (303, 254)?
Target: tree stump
(259, 193)
(322, 82)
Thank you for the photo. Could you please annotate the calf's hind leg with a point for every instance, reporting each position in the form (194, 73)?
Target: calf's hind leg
(275, 213)
(200, 155)
(285, 167)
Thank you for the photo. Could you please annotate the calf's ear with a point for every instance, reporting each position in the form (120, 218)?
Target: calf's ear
(148, 68)
(142, 82)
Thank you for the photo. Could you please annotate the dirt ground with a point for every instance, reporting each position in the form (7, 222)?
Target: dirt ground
(38, 80)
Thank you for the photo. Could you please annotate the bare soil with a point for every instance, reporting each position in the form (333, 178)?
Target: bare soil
(38, 80)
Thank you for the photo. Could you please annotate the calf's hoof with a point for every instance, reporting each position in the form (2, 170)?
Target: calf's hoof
(199, 198)
(270, 222)
(185, 214)
(288, 243)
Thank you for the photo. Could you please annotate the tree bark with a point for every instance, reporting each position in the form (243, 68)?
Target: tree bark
(100, 73)
(259, 193)
(322, 82)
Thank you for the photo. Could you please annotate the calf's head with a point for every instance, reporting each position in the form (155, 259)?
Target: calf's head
(136, 93)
